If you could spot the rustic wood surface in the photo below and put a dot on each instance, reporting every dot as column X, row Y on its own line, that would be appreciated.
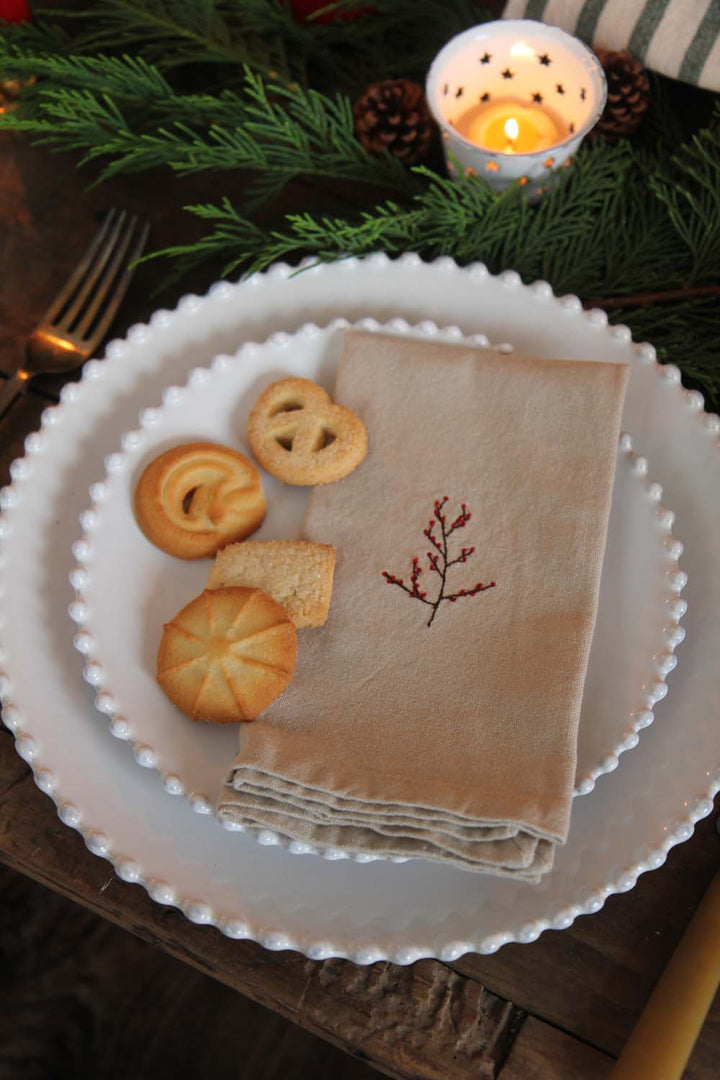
column 85, row 1000
column 559, row 1008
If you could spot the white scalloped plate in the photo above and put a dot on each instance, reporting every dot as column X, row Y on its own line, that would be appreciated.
column 120, row 618
column 321, row 907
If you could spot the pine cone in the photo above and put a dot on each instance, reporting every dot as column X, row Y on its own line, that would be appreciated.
column 392, row 115
column 628, row 94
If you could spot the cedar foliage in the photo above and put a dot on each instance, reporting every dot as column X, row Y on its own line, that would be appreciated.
column 228, row 85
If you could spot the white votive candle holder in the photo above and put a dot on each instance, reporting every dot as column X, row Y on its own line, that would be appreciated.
column 514, row 100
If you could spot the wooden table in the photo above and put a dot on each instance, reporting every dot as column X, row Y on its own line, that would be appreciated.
column 559, row 1008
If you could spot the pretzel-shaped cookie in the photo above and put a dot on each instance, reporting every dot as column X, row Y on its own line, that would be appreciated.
column 300, row 436
column 194, row 499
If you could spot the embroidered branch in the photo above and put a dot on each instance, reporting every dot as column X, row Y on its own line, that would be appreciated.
column 438, row 532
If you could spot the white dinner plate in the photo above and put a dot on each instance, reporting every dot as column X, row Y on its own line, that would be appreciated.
column 323, row 907
column 121, row 616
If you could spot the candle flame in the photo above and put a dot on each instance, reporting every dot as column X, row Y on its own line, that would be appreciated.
column 511, row 128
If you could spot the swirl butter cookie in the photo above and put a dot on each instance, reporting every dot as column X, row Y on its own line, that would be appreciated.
column 227, row 655
column 300, row 436
column 194, row 499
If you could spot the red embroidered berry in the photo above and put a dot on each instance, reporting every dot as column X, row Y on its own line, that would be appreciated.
column 440, row 544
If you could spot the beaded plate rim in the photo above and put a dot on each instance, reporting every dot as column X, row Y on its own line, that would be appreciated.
column 653, row 855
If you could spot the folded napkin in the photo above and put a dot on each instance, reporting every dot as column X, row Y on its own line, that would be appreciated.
column 679, row 38
column 435, row 714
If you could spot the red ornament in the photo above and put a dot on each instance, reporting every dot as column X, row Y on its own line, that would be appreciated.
column 302, row 11
column 13, row 11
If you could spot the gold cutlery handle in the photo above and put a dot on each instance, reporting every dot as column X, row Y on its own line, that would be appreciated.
column 12, row 388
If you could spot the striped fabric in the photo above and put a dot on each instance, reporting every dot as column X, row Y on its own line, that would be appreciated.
column 680, row 38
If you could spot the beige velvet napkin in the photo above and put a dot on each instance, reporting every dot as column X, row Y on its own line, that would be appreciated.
column 446, row 729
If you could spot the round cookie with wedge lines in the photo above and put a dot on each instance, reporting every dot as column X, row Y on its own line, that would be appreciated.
column 298, row 434
column 227, row 655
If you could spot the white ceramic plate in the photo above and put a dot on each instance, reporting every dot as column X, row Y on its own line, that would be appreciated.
column 121, row 616
column 325, row 908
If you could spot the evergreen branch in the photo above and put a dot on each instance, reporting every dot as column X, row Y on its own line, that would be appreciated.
column 129, row 80
column 465, row 218
column 124, row 110
column 348, row 57
column 296, row 133
column 223, row 35
column 596, row 233
column 134, row 84
column 35, row 37
column 172, row 33
column 76, row 120
column 690, row 191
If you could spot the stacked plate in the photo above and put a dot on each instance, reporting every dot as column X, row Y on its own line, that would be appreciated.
column 189, row 375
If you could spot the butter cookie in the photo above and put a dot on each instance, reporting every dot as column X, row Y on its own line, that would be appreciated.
column 194, row 499
column 227, row 655
column 300, row 436
column 296, row 573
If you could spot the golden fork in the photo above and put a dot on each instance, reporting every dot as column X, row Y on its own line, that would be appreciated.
column 80, row 315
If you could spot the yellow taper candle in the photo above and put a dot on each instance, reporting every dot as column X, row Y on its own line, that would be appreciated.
column 667, row 1030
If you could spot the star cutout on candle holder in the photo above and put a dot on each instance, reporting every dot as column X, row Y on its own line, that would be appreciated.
column 572, row 129
column 486, row 58
column 445, row 88
column 485, row 96
column 508, row 74
column 582, row 93
column 459, row 91
column 537, row 98
column 545, row 60
column 560, row 89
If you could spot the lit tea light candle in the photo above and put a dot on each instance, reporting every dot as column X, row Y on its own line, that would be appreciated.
column 514, row 100
column 511, row 128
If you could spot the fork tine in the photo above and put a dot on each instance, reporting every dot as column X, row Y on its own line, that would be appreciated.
column 66, row 293
column 103, row 287
column 116, row 294
column 93, row 272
